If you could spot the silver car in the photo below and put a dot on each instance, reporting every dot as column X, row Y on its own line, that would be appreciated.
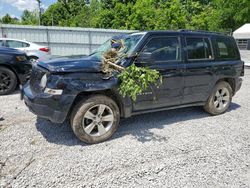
column 34, row 51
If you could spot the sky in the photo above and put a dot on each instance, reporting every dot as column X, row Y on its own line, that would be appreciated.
column 15, row 8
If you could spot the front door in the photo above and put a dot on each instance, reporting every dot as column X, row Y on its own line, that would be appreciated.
column 166, row 58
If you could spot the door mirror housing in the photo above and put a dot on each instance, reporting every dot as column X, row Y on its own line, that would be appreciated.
column 144, row 57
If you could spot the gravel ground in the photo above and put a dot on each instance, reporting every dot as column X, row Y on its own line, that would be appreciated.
column 176, row 148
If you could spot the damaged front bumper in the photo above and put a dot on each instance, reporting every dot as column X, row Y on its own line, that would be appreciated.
column 52, row 107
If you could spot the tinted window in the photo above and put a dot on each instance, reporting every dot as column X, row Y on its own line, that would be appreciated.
column 163, row 48
column 199, row 48
column 226, row 49
column 1, row 43
column 16, row 44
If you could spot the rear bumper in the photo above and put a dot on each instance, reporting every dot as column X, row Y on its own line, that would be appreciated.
column 238, row 84
column 42, row 56
column 53, row 108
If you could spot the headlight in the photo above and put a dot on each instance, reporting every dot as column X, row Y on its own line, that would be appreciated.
column 43, row 82
column 21, row 58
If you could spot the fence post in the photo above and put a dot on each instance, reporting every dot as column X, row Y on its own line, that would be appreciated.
column 1, row 30
column 48, row 38
column 90, row 41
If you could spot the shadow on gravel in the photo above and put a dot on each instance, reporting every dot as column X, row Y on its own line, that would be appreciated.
column 57, row 133
column 139, row 126
column 17, row 91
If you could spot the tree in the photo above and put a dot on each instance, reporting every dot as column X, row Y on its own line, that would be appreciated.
column 7, row 19
column 72, row 13
column 170, row 15
column 214, row 15
column 153, row 14
column 197, row 15
column 94, row 9
column 54, row 15
column 29, row 18
column 229, row 15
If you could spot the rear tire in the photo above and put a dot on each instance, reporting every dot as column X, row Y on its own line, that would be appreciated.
column 95, row 119
column 220, row 99
column 8, row 81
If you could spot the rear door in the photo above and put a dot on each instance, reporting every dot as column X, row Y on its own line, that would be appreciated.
column 198, row 76
column 166, row 56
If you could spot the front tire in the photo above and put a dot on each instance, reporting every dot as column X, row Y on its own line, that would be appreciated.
column 8, row 81
column 95, row 119
column 220, row 99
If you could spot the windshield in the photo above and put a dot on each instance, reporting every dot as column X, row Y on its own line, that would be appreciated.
column 129, row 43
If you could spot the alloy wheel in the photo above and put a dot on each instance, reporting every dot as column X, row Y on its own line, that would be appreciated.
column 221, row 98
column 98, row 120
column 5, row 81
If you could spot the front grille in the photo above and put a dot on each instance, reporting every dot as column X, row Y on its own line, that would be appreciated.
column 35, row 78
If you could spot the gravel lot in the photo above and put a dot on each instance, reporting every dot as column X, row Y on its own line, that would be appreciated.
column 176, row 148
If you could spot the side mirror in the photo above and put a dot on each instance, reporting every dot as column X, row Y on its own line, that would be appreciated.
column 144, row 57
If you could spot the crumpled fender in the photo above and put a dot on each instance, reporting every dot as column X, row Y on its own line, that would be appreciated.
column 74, row 83
column 93, row 84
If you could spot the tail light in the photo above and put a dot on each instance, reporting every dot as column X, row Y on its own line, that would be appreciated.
column 243, row 69
column 44, row 49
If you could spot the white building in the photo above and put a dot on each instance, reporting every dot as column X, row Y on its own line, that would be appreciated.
column 242, row 37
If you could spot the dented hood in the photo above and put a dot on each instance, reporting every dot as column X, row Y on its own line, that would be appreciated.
column 72, row 64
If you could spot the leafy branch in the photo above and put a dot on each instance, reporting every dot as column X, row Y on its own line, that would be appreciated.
column 134, row 80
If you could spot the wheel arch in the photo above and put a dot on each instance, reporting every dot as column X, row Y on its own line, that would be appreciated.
column 108, row 93
column 32, row 56
column 230, row 81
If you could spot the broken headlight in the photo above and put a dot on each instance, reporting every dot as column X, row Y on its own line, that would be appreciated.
column 43, row 81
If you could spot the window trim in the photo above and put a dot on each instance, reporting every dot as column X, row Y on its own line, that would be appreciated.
column 171, row 36
column 203, row 39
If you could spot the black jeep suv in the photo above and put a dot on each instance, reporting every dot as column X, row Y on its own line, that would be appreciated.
column 198, row 68
column 14, row 69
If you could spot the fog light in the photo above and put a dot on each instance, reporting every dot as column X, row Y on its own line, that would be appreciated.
column 53, row 91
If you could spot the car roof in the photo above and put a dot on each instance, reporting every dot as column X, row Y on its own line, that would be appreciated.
column 15, row 40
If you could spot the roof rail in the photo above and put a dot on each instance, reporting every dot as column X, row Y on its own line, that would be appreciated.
column 202, row 31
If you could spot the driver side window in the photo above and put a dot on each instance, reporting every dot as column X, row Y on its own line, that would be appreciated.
column 163, row 48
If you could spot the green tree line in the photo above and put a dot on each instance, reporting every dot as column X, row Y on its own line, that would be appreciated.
column 213, row 15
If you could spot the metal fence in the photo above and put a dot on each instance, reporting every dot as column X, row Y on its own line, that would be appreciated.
column 61, row 40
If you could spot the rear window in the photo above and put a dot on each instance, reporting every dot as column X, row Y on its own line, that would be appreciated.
column 226, row 49
column 198, row 48
column 25, row 44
